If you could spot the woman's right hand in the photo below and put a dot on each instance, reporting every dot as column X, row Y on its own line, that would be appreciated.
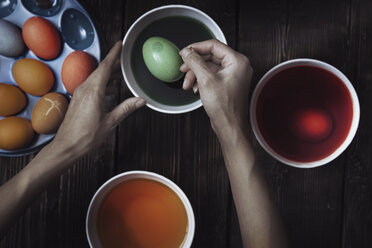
column 223, row 77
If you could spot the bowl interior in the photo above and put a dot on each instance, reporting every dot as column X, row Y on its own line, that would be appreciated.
column 91, row 221
column 133, row 42
column 298, row 63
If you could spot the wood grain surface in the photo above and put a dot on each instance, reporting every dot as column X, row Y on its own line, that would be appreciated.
column 329, row 206
column 182, row 147
column 357, row 218
column 310, row 199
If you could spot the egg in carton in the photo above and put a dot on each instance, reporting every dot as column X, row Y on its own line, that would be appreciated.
column 77, row 32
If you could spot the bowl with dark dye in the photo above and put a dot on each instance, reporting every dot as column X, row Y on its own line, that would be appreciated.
column 180, row 24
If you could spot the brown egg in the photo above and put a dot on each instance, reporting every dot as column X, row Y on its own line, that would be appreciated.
column 48, row 113
column 42, row 38
column 76, row 68
column 33, row 76
column 12, row 100
column 15, row 133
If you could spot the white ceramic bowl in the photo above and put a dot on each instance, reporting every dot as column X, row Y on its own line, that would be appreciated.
column 132, row 34
column 91, row 220
column 295, row 63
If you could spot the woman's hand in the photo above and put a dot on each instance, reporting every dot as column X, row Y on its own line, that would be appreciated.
column 86, row 124
column 223, row 78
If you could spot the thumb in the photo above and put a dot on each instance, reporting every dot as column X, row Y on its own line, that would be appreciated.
column 196, row 64
column 123, row 110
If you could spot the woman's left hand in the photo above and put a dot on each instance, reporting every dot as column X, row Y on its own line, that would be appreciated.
column 86, row 124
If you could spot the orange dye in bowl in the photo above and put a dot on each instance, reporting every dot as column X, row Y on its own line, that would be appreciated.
column 142, row 213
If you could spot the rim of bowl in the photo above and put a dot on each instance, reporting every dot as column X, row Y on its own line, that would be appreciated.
column 197, row 103
column 316, row 63
column 189, row 237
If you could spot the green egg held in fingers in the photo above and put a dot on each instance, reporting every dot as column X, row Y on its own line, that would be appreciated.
column 162, row 59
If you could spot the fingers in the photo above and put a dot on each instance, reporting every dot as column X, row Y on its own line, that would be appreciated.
column 102, row 74
column 195, row 88
column 189, row 80
column 206, row 58
column 212, row 67
column 217, row 49
column 197, row 65
column 212, row 58
column 116, row 65
column 184, row 68
column 123, row 110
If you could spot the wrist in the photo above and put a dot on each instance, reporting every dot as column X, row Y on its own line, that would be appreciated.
column 59, row 155
column 49, row 163
column 226, row 125
column 232, row 132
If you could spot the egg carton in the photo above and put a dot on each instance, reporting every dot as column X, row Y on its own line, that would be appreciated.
column 77, row 32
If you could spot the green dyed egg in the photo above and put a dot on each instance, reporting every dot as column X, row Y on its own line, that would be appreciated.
column 162, row 59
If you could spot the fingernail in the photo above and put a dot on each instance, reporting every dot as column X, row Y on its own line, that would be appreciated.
column 184, row 52
column 190, row 47
column 195, row 89
column 140, row 103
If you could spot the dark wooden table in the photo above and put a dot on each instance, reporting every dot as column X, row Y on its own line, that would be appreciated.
column 330, row 206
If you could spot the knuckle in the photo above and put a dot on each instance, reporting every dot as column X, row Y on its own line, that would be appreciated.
column 109, row 123
column 189, row 75
column 211, row 79
column 79, row 90
column 125, row 108
column 215, row 41
column 191, row 57
column 236, row 56
column 208, row 57
column 250, row 68
column 104, row 64
column 245, row 59
column 128, row 108
column 87, row 90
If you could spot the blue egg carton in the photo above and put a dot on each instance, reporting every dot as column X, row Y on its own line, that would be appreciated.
column 77, row 32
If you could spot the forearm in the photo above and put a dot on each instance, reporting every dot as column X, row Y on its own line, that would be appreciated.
column 259, row 220
column 22, row 189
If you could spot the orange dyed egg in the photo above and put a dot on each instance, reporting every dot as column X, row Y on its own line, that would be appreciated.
column 42, row 38
column 33, row 76
column 15, row 133
column 12, row 99
column 48, row 113
column 76, row 68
